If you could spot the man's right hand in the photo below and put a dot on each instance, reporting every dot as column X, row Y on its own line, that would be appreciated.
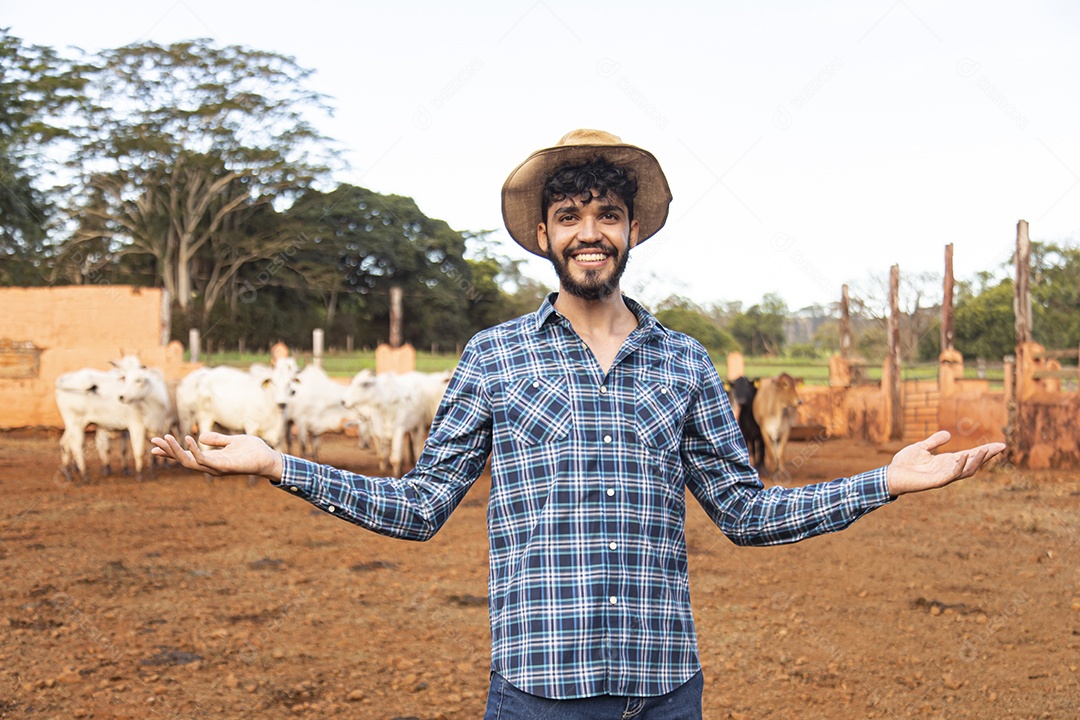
column 228, row 454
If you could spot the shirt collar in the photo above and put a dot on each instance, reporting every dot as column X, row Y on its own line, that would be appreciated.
column 646, row 322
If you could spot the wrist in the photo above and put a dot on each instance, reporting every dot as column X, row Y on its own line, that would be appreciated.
column 276, row 467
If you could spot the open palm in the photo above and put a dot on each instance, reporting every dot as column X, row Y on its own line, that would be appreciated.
column 916, row 468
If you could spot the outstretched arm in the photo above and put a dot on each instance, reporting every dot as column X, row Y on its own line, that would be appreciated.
column 230, row 454
column 914, row 468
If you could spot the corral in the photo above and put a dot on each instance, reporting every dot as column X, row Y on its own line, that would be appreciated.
column 179, row 598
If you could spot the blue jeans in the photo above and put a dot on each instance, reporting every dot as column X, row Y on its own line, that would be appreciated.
column 506, row 702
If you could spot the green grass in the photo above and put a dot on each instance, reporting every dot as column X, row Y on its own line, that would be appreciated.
column 812, row 371
column 336, row 364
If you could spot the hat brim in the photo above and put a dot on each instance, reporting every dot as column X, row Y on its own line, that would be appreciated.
column 521, row 193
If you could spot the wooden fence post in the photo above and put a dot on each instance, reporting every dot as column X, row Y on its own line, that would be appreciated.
column 896, row 409
column 1022, row 290
column 395, row 316
column 948, row 329
column 317, row 336
column 193, row 344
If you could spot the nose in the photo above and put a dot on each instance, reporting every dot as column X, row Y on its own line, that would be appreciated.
column 588, row 230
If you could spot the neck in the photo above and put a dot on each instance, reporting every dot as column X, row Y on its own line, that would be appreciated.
column 608, row 315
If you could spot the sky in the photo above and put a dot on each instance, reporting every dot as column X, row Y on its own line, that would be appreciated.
column 807, row 144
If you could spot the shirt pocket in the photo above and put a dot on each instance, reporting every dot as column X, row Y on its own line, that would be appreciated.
column 538, row 409
column 660, row 408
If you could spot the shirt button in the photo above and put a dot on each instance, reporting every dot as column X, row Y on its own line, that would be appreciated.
column 331, row 509
column 613, row 545
column 610, row 492
column 607, row 438
column 603, row 389
column 294, row 488
column 613, row 600
column 663, row 391
column 536, row 383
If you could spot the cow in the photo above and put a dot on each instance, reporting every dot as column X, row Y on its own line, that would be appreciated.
column 129, row 398
column 775, row 407
column 396, row 406
column 252, row 402
column 316, row 407
column 743, row 392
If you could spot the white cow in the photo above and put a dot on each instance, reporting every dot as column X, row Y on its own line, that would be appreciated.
column 316, row 407
column 396, row 405
column 251, row 402
column 129, row 398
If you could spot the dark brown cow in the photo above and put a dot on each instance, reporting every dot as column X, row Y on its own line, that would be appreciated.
column 775, row 408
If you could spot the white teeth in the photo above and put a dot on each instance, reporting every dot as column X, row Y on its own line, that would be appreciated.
column 590, row 257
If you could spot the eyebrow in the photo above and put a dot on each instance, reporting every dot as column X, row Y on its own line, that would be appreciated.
column 575, row 207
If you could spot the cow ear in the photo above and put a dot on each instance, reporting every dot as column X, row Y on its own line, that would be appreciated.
column 114, row 363
column 266, row 383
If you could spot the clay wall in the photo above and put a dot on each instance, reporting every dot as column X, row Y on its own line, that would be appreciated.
column 45, row 332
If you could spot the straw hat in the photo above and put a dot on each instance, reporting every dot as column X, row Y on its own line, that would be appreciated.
column 522, row 191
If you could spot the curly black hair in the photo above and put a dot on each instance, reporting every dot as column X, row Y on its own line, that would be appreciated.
column 593, row 179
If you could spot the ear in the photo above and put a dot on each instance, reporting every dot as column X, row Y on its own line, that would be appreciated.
column 542, row 237
column 635, row 228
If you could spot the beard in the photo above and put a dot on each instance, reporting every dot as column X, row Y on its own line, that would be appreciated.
column 594, row 285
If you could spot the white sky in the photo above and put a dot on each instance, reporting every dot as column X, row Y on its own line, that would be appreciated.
column 807, row 144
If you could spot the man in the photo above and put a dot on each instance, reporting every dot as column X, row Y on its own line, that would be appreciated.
column 597, row 418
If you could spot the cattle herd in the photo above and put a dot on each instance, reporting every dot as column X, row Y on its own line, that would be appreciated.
column 392, row 413
column 131, row 402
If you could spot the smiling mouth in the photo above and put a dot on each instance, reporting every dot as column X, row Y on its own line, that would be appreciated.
column 593, row 257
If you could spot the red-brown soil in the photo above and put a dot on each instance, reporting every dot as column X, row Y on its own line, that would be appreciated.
column 179, row 598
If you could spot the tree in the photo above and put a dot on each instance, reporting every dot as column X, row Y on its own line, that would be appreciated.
column 1055, row 294
column 37, row 87
column 699, row 326
column 760, row 330
column 985, row 321
column 181, row 143
column 357, row 241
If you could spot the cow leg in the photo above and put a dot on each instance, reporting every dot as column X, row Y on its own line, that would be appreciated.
column 396, row 450
column 382, row 451
column 71, row 454
column 103, row 446
column 418, row 437
column 769, row 456
column 315, row 441
column 780, row 449
column 137, row 436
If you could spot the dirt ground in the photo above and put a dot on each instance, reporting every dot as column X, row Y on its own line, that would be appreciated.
column 179, row 598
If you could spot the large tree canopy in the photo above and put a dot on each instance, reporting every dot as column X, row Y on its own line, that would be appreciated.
column 356, row 241
column 180, row 143
column 36, row 89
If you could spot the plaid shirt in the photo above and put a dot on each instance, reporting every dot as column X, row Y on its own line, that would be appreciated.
column 588, row 586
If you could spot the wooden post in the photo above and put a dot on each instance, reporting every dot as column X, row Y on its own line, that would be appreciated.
column 317, row 338
column 845, row 324
column 1011, row 447
column 395, row 316
column 948, row 327
column 166, row 317
column 193, row 344
column 1022, row 290
column 896, row 410
column 240, row 346
column 349, row 343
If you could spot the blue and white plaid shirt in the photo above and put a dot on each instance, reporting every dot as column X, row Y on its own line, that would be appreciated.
column 588, row 585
